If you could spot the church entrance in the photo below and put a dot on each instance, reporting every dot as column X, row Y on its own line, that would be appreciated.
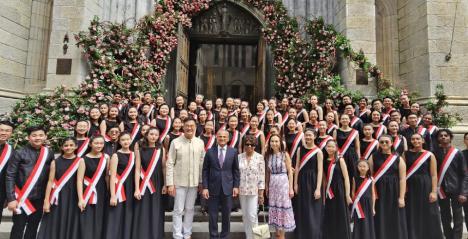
column 222, row 55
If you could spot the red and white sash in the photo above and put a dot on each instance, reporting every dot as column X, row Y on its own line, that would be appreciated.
column 59, row 184
column 120, row 189
column 348, row 142
column 119, row 106
column 396, row 142
column 278, row 114
column 370, row 148
column 418, row 163
column 148, row 115
column 210, row 143
column 324, row 142
column 331, row 128
column 5, row 156
column 448, row 159
column 419, row 121
column 146, row 182
column 210, row 115
column 330, row 171
column 284, row 118
column 267, row 139
column 84, row 146
column 234, row 139
column 354, row 121
column 308, row 156
column 362, row 113
column 245, row 129
column 261, row 117
column 23, row 193
column 135, row 131
column 385, row 117
column 379, row 132
column 359, row 192
column 432, row 129
column 167, row 127
column 194, row 116
column 300, row 113
column 259, row 132
column 222, row 127
column 107, row 138
column 295, row 144
column 90, row 193
column 385, row 166
column 422, row 131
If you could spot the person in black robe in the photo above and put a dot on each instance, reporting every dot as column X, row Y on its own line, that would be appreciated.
column 422, row 212
column 336, row 219
column 148, row 215
column 121, row 167
column 364, row 227
column 61, row 212
column 390, row 185
column 465, row 156
column 308, row 183
column 94, row 122
column 453, row 186
column 6, row 153
column 111, row 140
column 413, row 128
column 19, row 169
column 353, row 153
column 93, row 209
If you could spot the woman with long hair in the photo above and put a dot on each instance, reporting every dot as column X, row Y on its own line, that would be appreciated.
column 175, row 133
column 280, row 187
column 302, row 115
column 234, row 134
column 94, row 116
column 422, row 211
column 322, row 136
column 61, row 214
column 377, row 124
column 257, row 134
column 294, row 139
column 110, row 121
column 349, row 148
column 148, row 214
column 122, row 189
column 368, row 144
column 389, row 172
column 179, row 105
column 163, row 122
column 399, row 142
column 93, row 196
column 307, row 185
column 202, row 119
column 131, row 125
column 337, row 195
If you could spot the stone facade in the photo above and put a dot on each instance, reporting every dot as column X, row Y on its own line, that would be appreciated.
column 409, row 39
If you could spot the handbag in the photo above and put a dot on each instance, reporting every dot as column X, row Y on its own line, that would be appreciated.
column 262, row 231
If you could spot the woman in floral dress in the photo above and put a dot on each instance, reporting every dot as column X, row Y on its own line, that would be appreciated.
column 280, row 189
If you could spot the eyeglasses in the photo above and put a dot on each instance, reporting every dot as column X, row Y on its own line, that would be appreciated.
column 249, row 145
column 384, row 142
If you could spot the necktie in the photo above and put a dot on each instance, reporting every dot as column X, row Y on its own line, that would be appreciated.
column 221, row 157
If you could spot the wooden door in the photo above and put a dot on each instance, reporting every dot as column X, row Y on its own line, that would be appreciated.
column 182, row 63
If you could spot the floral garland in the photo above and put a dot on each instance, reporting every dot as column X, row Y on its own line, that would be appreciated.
column 134, row 60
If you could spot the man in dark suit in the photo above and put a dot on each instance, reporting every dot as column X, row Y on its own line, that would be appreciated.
column 221, row 180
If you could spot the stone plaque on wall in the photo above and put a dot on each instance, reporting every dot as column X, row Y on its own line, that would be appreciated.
column 63, row 66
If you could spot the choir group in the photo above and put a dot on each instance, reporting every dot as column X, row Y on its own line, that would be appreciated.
column 366, row 170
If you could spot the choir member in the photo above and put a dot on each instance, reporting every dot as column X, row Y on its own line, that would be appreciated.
column 331, row 118
column 6, row 153
column 163, row 122
column 208, row 136
column 199, row 102
column 322, row 136
column 336, row 219
column 93, row 197
column 183, row 115
column 111, row 120
column 308, row 183
column 405, row 108
column 148, row 214
column 413, row 128
column 452, row 184
column 377, row 124
column 202, row 118
column 348, row 143
column 82, row 141
column 302, row 115
column 355, row 122
column 61, row 214
column 432, row 129
column 363, row 208
column 422, row 212
column 329, row 107
column 234, row 134
column 217, row 109
column 104, row 110
column 26, row 180
column 363, row 112
column 389, row 172
column 277, row 115
column 257, row 134
column 111, row 140
column 132, row 126
column 180, row 104
column 399, row 142
column 193, row 111
column 313, row 100
column 209, row 110
column 313, row 121
column 368, row 144
column 175, row 133
column 244, row 121
column 222, row 120
column 294, row 139
column 261, row 112
column 122, row 190
column 94, row 122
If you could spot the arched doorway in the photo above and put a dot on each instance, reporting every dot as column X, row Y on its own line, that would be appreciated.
column 222, row 55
